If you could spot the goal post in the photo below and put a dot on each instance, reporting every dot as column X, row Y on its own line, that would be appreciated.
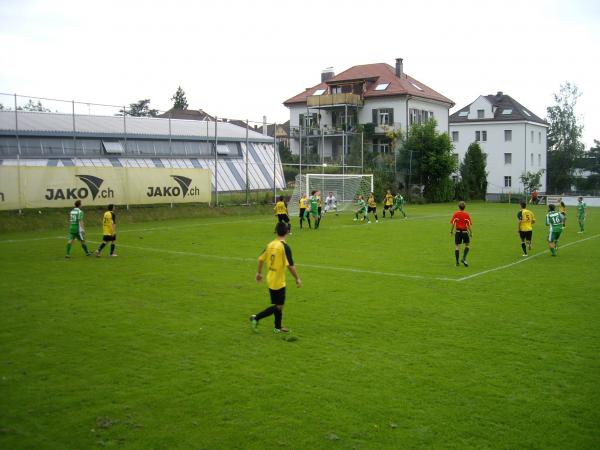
column 345, row 187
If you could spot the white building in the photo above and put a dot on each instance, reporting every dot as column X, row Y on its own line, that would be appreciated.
column 513, row 138
column 323, row 118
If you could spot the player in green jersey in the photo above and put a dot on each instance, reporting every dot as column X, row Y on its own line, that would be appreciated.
column 555, row 221
column 361, row 208
column 76, row 229
column 581, row 207
column 313, row 208
column 398, row 204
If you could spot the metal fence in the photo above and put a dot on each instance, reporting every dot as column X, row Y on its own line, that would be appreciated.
column 242, row 154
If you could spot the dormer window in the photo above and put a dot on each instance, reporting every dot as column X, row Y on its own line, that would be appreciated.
column 506, row 112
column 480, row 113
column 463, row 114
column 382, row 86
column 526, row 113
column 319, row 92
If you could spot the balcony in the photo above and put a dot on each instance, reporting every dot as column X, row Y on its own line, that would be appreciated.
column 332, row 100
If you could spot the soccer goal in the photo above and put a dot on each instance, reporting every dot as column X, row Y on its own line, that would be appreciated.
column 345, row 188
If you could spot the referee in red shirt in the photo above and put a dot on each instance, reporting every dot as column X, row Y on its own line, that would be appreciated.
column 461, row 221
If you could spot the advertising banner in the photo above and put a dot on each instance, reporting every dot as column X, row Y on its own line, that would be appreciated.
column 47, row 187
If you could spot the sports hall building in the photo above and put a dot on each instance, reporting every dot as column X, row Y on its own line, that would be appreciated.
column 240, row 158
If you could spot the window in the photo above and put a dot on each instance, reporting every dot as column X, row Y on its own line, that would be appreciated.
column 507, row 135
column 539, row 159
column 455, row 136
column 508, row 158
column 481, row 136
column 531, row 164
column 480, row 113
column 319, row 92
column 417, row 86
column 532, row 137
column 463, row 114
column 222, row 149
column 484, row 136
column 506, row 112
column 477, row 136
column 381, row 145
column 526, row 113
column 507, row 181
column 419, row 116
column 384, row 116
column 382, row 86
column 114, row 147
column 455, row 156
column 539, row 137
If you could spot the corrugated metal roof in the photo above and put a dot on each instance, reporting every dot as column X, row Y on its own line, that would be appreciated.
column 31, row 122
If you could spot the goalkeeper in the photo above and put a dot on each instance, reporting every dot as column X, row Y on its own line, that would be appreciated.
column 398, row 205
column 331, row 203
column 361, row 208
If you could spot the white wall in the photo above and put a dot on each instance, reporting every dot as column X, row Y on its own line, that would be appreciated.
column 481, row 103
column 520, row 146
column 440, row 112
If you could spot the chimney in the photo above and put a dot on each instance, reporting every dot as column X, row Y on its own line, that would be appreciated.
column 499, row 95
column 265, row 130
column 399, row 68
column 327, row 74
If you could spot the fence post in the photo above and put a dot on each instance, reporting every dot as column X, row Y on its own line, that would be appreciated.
column 216, row 166
column 19, row 193
column 274, row 162
column 247, row 181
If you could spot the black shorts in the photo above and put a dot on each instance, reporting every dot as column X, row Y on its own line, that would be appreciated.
column 387, row 207
column 319, row 210
column 462, row 237
column 301, row 213
column 525, row 235
column 283, row 218
column 109, row 237
column 372, row 209
column 277, row 296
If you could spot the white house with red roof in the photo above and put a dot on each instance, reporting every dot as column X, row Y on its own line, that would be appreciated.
column 324, row 118
column 510, row 134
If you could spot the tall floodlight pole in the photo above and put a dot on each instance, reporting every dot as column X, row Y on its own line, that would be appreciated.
column 74, row 138
column 216, row 166
column 125, row 127
column 274, row 161
column 247, row 182
column 18, row 153
column 300, row 146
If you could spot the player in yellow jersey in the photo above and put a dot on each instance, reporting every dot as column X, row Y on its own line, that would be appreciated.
column 388, row 203
column 282, row 213
column 525, row 227
column 302, row 205
column 372, row 207
column 562, row 208
column 109, row 231
column 278, row 257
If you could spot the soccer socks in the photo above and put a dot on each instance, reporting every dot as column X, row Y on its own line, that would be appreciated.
column 101, row 247
column 375, row 216
column 278, row 316
column 456, row 255
column 308, row 220
column 69, row 249
column 112, row 249
column 465, row 253
column 85, row 249
column 301, row 220
column 267, row 312
column 524, row 247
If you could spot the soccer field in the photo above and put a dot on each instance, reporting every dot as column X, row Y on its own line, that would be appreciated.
column 396, row 347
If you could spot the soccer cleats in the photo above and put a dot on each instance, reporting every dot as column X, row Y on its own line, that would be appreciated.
column 465, row 263
column 281, row 330
column 253, row 322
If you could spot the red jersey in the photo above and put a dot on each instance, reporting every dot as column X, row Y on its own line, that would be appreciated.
column 461, row 220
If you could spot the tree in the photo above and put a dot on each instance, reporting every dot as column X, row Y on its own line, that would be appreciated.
column 473, row 174
column 590, row 162
column 532, row 181
column 31, row 106
column 179, row 100
column 564, row 139
column 431, row 159
column 140, row 109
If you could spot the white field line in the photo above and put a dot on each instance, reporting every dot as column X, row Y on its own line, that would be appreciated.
column 312, row 266
column 520, row 261
column 16, row 241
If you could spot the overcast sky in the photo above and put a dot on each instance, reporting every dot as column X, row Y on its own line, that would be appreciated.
column 242, row 59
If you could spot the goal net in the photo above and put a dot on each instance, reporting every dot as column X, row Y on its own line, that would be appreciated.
column 345, row 188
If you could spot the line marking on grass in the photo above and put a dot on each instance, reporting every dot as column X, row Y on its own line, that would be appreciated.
column 13, row 241
column 506, row 266
column 312, row 266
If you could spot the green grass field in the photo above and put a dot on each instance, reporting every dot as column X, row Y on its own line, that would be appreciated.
column 396, row 347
